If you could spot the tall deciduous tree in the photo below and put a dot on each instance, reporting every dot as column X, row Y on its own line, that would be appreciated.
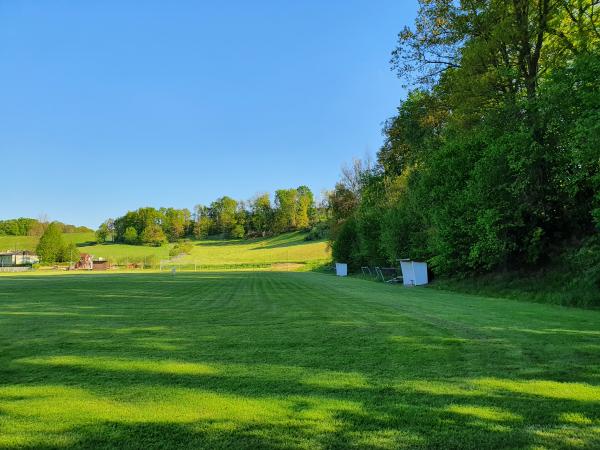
column 285, row 209
column 223, row 211
column 130, row 236
column 203, row 223
column 174, row 222
column 261, row 214
column 153, row 235
column 305, row 207
column 51, row 244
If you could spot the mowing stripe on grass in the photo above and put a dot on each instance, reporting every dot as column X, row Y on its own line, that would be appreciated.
column 294, row 360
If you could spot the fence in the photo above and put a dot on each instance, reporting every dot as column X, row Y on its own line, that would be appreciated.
column 136, row 264
column 167, row 265
column 385, row 274
column 15, row 269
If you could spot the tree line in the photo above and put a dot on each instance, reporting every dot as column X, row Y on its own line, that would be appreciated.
column 292, row 209
column 493, row 159
column 25, row 226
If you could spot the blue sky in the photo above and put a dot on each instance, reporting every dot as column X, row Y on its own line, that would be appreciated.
column 112, row 105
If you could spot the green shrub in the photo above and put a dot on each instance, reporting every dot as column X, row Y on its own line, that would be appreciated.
column 153, row 235
column 182, row 247
column 345, row 248
column 318, row 232
column 69, row 253
column 131, row 236
column 237, row 232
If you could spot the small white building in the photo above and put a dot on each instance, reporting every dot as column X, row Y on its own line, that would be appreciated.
column 18, row 258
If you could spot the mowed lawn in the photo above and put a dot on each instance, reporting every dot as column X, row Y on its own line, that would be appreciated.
column 289, row 360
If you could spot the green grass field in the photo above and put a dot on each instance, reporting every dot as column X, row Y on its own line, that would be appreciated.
column 288, row 360
column 289, row 247
column 30, row 242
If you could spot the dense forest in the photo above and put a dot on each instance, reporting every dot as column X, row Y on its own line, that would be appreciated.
column 492, row 161
column 293, row 209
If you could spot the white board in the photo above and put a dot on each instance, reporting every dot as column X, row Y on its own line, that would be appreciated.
column 408, row 276
column 420, row 273
column 341, row 269
column 413, row 273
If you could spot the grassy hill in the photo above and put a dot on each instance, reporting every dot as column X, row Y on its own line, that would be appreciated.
column 569, row 277
column 289, row 247
column 30, row 242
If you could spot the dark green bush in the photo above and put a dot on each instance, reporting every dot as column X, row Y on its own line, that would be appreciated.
column 345, row 248
column 318, row 232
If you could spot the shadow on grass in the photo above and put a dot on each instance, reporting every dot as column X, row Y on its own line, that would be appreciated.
column 279, row 361
column 226, row 242
column 376, row 413
column 281, row 241
column 319, row 418
column 286, row 240
column 155, row 435
column 88, row 244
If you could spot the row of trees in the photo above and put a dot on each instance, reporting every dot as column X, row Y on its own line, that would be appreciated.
column 293, row 209
column 493, row 159
column 24, row 226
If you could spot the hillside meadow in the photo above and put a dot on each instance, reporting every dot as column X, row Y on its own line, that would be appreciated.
column 289, row 247
column 30, row 242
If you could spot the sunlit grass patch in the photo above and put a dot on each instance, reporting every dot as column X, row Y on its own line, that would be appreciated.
column 46, row 414
column 575, row 418
column 128, row 365
column 483, row 412
column 568, row 437
column 544, row 388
